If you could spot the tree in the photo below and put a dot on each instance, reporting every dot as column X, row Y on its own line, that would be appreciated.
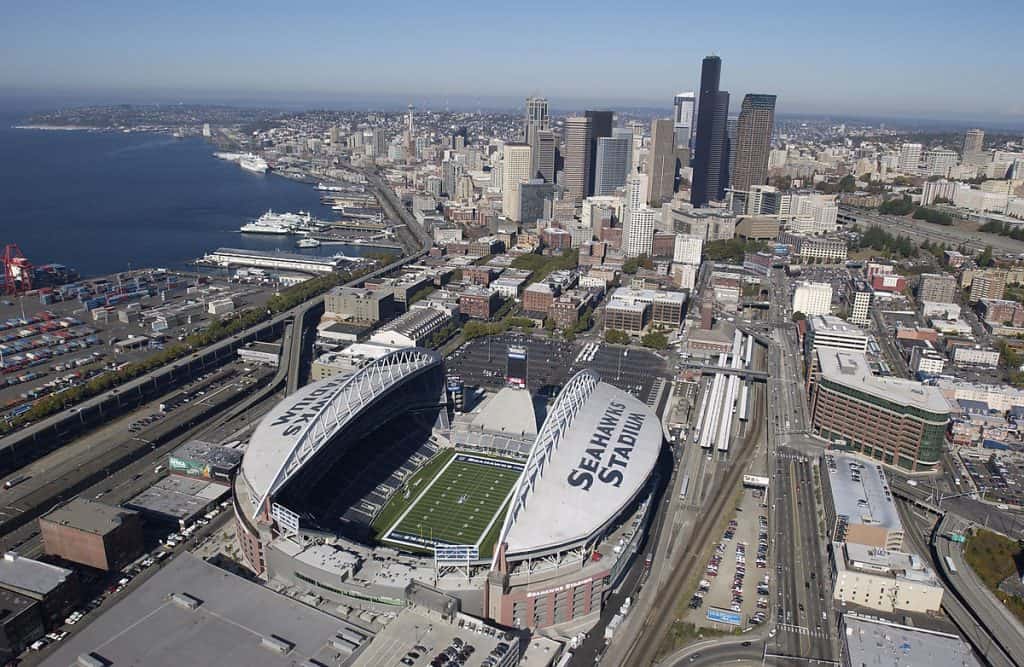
column 655, row 339
column 985, row 258
column 797, row 316
column 616, row 337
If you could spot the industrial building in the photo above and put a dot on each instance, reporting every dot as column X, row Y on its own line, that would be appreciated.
column 412, row 329
column 56, row 589
column 92, row 533
column 360, row 304
column 884, row 580
column 205, row 460
column 178, row 501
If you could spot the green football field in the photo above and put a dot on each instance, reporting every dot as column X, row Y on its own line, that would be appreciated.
column 464, row 505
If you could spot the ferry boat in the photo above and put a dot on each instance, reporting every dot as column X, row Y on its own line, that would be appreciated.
column 253, row 163
column 282, row 223
column 307, row 243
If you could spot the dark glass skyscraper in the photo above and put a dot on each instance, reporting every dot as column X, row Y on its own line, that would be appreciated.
column 600, row 126
column 711, row 157
column 753, row 141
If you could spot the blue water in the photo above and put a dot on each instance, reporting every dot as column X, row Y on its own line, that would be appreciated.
column 101, row 201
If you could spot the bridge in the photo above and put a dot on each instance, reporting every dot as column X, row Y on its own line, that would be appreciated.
column 711, row 369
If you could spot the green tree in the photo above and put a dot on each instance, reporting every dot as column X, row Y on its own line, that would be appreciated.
column 985, row 258
column 655, row 339
column 797, row 316
column 616, row 337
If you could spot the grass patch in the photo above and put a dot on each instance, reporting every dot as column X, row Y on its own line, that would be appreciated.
column 681, row 633
column 994, row 558
column 414, row 484
column 542, row 265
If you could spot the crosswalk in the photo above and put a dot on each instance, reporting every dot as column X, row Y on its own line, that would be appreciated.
column 801, row 630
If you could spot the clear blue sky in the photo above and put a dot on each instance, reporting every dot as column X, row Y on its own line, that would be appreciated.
column 896, row 57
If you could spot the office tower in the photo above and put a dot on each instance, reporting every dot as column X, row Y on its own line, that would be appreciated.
column 612, row 164
column 577, row 157
column 533, row 195
column 410, row 134
column 380, row 142
column 710, row 159
column 753, row 141
column 938, row 162
column 536, row 117
column 731, row 129
column 516, row 167
column 683, row 106
column 538, row 121
column 451, row 171
column 638, row 219
column 661, row 165
column 600, row 126
column 910, row 158
column 544, row 155
column 974, row 143
column 638, row 235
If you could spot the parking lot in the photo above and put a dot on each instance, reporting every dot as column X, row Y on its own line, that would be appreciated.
column 736, row 578
column 550, row 363
column 53, row 341
column 999, row 477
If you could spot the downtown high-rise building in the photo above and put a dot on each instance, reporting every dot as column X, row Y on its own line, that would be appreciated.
column 661, row 163
column 638, row 218
column 612, row 161
column 711, row 156
column 577, row 157
column 753, row 141
column 516, row 166
column 910, row 158
column 537, row 134
column 600, row 126
column 684, row 106
column 974, row 146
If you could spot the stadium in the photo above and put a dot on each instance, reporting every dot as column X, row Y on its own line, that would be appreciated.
column 370, row 490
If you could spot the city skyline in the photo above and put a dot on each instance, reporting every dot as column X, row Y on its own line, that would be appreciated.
column 126, row 54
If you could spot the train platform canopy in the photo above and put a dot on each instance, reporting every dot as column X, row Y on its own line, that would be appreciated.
column 593, row 455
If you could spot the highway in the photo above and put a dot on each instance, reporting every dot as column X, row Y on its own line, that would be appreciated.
column 921, row 230
column 919, row 533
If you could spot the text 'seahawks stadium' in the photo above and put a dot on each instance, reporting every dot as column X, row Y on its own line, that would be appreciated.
column 371, row 490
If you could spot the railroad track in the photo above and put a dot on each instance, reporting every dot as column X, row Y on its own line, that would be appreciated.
column 644, row 649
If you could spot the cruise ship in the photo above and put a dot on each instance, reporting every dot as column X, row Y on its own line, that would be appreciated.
column 253, row 163
column 282, row 223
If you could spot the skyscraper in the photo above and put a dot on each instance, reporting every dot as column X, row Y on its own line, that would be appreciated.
column 910, row 159
column 600, row 126
column 538, row 121
column 612, row 162
column 683, row 107
column 974, row 144
column 516, row 165
column 662, row 162
column 577, row 156
column 544, row 155
column 710, row 160
column 638, row 219
column 753, row 141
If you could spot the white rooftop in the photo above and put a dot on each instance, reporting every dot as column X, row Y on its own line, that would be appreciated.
column 597, row 465
column 851, row 369
column 859, row 491
column 509, row 411
column 877, row 643
column 27, row 574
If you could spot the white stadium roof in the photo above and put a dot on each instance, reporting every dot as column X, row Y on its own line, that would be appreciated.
column 593, row 454
column 300, row 425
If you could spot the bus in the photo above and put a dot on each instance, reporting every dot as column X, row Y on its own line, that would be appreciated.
column 950, row 566
column 15, row 481
column 685, row 487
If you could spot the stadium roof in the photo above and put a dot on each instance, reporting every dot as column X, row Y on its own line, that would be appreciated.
column 592, row 456
column 509, row 411
column 299, row 426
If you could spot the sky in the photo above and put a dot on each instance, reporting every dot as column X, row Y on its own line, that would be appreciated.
column 900, row 57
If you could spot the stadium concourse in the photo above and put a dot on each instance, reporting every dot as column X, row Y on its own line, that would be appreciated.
column 366, row 488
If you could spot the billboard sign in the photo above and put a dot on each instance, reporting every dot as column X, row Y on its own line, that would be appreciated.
column 455, row 553
column 723, row 616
